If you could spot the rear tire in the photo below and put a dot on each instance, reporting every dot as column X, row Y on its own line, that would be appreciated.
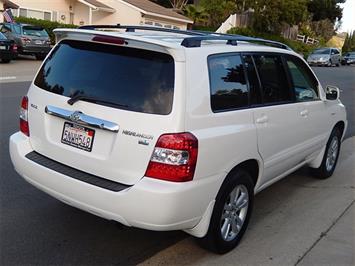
column 6, row 60
column 231, row 213
column 330, row 157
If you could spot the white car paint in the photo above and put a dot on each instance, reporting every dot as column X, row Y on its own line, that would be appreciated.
column 281, row 138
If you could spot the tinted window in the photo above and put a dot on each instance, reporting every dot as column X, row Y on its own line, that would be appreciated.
column 303, row 81
column 139, row 80
column 2, row 36
column 34, row 31
column 254, row 88
column 273, row 79
column 227, row 83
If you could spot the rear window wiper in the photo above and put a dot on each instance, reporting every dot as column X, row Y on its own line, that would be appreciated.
column 92, row 99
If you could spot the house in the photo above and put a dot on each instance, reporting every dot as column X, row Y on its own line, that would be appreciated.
column 84, row 12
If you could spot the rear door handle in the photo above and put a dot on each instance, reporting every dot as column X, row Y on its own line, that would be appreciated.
column 304, row 112
column 262, row 120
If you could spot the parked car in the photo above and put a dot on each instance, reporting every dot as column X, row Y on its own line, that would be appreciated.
column 348, row 59
column 8, row 49
column 30, row 40
column 324, row 57
column 173, row 133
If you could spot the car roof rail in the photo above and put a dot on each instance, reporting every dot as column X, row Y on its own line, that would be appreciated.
column 195, row 41
column 132, row 28
column 196, row 36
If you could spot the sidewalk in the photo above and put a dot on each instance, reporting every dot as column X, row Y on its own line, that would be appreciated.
column 297, row 221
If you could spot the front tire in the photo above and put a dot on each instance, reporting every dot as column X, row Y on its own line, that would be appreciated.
column 231, row 213
column 6, row 61
column 330, row 157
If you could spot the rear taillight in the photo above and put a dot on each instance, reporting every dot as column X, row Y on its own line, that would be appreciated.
column 174, row 158
column 24, row 128
column 14, row 47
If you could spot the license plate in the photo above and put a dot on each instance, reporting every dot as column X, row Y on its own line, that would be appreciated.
column 38, row 42
column 2, row 47
column 78, row 136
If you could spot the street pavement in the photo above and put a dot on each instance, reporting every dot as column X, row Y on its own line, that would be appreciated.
column 299, row 220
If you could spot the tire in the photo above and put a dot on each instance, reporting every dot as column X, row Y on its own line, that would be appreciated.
column 40, row 56
column 240, row 184
column 330, row 157
column 6, row 60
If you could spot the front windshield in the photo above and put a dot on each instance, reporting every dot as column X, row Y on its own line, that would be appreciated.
column 322, row 51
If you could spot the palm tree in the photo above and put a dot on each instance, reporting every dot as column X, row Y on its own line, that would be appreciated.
column 197, row 13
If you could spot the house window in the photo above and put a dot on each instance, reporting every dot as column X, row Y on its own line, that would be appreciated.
column 158, row 24
column 148, row 23
column 176, row 28
column 23, row 12
column 167, row 26
column 38, row 14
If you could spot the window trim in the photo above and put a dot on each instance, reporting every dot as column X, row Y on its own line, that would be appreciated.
column 226, row 54
column 293, row 100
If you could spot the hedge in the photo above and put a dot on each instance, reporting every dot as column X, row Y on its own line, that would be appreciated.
column 49, row 26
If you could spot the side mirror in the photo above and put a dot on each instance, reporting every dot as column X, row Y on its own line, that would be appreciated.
column 332, row 93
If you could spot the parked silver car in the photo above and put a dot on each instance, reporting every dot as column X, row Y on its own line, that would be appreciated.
column 30, row 40
column 324, row 57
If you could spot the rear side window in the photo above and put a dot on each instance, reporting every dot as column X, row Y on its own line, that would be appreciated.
column 227, row 82
column 304, row 83
column 131, row 79
column 274, row 83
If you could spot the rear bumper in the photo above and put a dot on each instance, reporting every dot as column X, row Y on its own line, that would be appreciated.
column 149, row 204
column 34, row 49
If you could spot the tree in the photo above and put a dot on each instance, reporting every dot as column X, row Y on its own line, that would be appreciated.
column 272, row 15
column 197, row 13
column 218, row 10
column 178, row 4
column 323, row 28
column 326, row 9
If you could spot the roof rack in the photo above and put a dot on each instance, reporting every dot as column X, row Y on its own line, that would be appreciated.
column 130, row 28
column 196, row 36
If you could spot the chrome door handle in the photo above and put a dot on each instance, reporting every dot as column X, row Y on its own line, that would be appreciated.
column 262, row 120
column 81, row 118
column 304, row 112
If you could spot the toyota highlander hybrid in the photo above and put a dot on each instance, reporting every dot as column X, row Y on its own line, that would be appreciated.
column 173, row 130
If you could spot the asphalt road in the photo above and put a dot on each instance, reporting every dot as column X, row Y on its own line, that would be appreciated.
column 37, row 229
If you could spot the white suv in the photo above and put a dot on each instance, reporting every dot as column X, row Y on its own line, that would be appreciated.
column 173, row 130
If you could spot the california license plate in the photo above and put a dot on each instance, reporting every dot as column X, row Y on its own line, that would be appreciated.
column 78, row 136
column 38, row 42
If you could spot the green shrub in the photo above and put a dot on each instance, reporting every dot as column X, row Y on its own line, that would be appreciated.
column 299, row 47
column 49, row 26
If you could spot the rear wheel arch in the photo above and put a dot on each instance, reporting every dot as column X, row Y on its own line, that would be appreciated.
column 252, row 166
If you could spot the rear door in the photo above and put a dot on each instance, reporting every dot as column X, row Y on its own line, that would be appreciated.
column 122, row 101
column 277, row 119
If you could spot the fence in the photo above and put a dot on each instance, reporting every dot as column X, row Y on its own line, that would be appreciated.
column 307, row 40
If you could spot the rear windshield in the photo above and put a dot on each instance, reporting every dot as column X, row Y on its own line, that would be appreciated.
column 131, row 79
column 34, row 31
